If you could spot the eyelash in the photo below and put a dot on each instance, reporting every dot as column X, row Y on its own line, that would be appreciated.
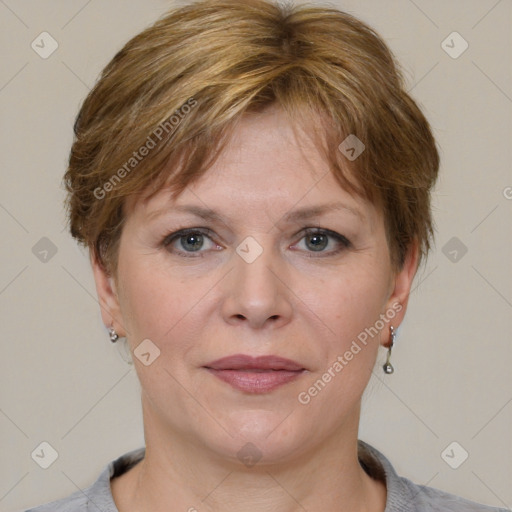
column 308, row 232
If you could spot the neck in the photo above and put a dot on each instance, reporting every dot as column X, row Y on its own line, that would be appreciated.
column 178, row 474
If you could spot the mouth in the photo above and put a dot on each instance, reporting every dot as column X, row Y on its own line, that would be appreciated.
column 262, row 363
column 255, row 374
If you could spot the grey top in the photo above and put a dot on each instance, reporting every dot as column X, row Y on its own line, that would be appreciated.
column 402, row 494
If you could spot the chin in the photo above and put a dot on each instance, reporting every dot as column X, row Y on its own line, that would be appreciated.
column 258, row 437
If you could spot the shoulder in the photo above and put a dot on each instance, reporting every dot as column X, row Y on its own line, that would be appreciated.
column 98, row 496
column 403, row 495
column 76, row 502
column 431, row 499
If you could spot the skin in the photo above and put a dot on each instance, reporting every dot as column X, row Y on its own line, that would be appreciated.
column 293, row 301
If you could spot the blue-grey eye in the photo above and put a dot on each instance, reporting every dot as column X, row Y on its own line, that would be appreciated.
column 319, row 241
column 192, row 241
column 188, row 241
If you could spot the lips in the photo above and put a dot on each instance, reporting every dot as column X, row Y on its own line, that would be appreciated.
column 255, row 375
column 263, row 363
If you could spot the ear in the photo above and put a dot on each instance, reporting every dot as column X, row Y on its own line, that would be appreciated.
column 107, row 296
column 400, row 287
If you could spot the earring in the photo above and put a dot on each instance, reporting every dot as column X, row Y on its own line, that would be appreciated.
column 113, row 334
column 387, row 366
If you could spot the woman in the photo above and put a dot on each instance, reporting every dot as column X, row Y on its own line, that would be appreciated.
column 253, row 183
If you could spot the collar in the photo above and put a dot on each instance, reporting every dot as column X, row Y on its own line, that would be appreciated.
column 400, row 496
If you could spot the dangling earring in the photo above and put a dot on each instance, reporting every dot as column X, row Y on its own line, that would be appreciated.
column 113, row 334
column 387, row 366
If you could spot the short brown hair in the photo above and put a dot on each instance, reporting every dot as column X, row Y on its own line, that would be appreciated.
column 197, row 70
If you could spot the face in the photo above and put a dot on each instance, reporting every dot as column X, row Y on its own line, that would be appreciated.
column 265, row 255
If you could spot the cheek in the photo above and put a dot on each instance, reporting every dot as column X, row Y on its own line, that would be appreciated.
column 152, row 301
column 351, row 306
column 160, row 307
column 352, row 301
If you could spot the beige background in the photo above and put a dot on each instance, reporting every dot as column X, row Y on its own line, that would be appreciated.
column 64, row 383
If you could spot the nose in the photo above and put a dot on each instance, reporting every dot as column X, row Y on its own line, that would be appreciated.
column 257, row 291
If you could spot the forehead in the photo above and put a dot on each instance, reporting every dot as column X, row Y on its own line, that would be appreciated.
column 269, row 164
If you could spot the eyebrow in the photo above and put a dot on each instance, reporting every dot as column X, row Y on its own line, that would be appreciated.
column 299, row 214
column 309, row 212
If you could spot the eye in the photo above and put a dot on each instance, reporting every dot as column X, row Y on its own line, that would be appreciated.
column 317, row 240
column 185, row 242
